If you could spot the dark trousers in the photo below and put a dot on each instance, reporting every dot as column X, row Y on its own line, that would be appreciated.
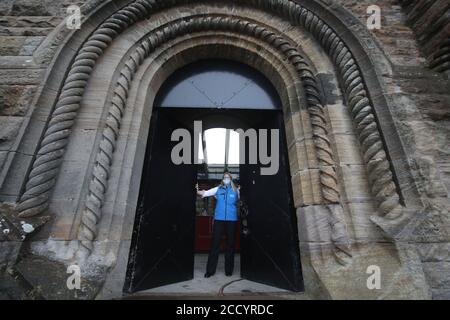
column 230, row 229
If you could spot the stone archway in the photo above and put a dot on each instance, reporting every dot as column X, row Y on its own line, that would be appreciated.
column 299, row 88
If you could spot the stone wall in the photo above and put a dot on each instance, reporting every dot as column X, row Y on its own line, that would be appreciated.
column 412, row 36
column 430, row 21
column 24, row 26
column 29, row 38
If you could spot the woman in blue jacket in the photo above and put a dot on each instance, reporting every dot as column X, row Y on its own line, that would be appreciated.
column 225, row 218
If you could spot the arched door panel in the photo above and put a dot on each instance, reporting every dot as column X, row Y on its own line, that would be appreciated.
column 269, row 246
column 162, row 250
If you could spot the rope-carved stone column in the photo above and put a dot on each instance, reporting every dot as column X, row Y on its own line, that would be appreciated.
column 328, row 178
column 99, row 181
column 378, row 166
column 98, row 185
column 324, row 153
column 102, row 168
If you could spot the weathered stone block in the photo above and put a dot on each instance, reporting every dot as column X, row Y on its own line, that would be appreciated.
column 348, row 149
column 16, row 99
column 438, row 274
column 9, row 127
column 11, row 46
column 362, row 228
column 21, row 77
column 306, row 187
column 32, row 8
column 340, row 120
column 355, row 183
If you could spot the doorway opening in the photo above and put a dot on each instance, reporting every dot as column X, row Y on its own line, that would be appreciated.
column 173, row 227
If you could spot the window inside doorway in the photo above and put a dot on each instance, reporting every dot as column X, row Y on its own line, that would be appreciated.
column 218, row 84
column 220, row 146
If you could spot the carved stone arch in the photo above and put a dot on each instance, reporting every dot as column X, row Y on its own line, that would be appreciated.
column 41, row 178
column 222, row 45
column 358, row 82
column 288, row 89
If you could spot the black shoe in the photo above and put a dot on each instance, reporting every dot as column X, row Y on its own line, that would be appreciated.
column 228, row 274
column 207, row 275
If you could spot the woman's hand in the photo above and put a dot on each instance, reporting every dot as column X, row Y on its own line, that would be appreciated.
column 199, row 192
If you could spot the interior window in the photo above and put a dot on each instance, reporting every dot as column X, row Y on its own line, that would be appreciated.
column 218, row 84
column 221, row 147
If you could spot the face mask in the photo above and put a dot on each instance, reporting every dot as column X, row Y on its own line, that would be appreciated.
column 226, row 180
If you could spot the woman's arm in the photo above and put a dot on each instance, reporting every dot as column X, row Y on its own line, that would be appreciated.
column 209, row 193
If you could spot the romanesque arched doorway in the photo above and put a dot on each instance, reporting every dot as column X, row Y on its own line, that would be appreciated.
column 204, row 95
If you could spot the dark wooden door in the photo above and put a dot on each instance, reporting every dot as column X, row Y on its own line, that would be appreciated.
column 269, row 244
column 162, row 250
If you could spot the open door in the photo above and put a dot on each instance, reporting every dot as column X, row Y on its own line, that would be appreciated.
column 162, row 249
column 269, row 246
